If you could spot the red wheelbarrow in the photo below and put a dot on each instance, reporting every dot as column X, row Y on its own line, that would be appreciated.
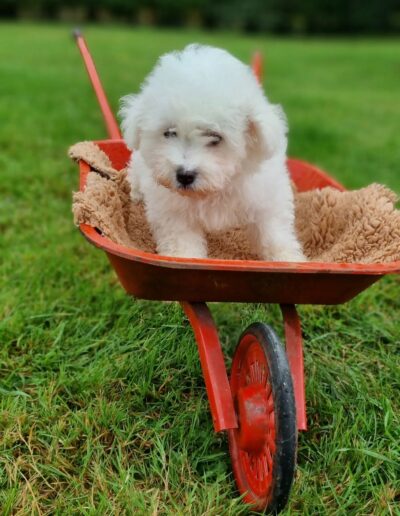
column 262, row 404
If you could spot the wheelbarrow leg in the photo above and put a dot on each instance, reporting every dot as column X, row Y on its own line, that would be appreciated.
column 294, row 352
column 213, row 365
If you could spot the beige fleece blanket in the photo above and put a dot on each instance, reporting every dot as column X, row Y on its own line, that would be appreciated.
column 359, row 226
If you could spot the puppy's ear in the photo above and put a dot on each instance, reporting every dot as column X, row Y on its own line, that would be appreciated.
column 130, row 114
column 266, row 132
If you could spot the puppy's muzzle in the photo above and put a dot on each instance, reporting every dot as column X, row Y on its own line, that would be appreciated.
column 185, row 177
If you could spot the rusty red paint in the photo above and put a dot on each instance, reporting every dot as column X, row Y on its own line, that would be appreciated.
column 213, row 365
column 294, row 353
column 252, row 402
column 109, row 119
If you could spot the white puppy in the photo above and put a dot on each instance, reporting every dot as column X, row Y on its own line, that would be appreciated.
column 209, row 155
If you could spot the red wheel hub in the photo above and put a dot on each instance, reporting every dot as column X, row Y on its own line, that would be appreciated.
column 254, row 440
column 252, row 402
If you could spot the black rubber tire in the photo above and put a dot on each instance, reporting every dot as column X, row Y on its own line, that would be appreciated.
column 284, row 459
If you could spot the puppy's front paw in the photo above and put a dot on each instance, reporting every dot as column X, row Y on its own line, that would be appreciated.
column 182, row 251
column 289, row 255
column 136, row 195
column 186, row 253
column 174, row 238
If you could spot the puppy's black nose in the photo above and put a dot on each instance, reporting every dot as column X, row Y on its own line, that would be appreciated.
column 185, row 177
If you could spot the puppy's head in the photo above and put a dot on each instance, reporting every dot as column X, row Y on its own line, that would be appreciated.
column 200, row 120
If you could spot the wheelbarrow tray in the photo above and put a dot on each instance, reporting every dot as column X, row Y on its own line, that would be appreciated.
column 152, row 276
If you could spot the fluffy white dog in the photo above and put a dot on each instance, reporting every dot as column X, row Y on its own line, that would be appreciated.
column 209, row 155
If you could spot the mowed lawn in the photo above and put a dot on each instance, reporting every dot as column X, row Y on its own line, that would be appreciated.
column 103, row 405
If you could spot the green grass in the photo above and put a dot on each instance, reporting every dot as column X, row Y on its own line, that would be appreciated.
column 103, row 406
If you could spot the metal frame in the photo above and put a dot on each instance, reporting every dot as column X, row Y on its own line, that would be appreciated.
column 214, row 370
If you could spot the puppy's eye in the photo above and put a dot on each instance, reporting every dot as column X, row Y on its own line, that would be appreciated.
column 214, row 139
column 170, row 133
column 215, row 142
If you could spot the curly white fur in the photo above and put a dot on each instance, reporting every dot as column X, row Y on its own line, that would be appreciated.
column 209, row 154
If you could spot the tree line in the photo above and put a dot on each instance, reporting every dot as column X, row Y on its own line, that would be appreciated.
column 274, row 16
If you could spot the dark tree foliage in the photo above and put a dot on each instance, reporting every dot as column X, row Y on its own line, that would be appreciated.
column 276, row 16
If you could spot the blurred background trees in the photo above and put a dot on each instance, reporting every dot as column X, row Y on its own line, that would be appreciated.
column 274, row 16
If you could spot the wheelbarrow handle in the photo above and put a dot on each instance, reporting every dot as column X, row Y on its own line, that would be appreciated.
column 109, row 119
column 257, row 65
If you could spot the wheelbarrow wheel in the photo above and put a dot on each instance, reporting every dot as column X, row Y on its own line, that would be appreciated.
column 263, row 448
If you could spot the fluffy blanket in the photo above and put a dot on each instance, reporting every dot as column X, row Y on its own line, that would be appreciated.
column 359, row 226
